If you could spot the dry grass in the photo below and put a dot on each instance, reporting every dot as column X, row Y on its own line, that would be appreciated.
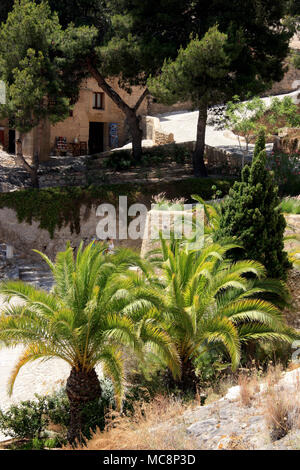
column 249, row 387
column 282, row 413
column 281, row 405
column 274, row 374
column 158, row 425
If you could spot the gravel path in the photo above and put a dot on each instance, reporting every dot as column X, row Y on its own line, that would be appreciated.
column 184, row 127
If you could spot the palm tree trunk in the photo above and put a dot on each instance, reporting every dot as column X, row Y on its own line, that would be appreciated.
column 198, row 156
column 82, row 387
column 188, row 381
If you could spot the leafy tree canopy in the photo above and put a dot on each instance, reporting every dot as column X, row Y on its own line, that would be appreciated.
column 39, row 70
column 151, row 31
column 197, row 74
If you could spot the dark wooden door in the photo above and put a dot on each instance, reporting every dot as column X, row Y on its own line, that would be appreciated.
column 2, row 137
column 96, row 137
column 12, row 141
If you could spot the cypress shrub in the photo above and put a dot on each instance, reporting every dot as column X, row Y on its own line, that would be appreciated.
column 252, row 215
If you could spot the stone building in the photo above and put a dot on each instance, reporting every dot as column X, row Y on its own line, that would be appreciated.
column 96, row 124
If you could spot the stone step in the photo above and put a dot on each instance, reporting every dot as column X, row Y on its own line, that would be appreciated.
column 35, row 273
column 38, row 279
column 34, row 267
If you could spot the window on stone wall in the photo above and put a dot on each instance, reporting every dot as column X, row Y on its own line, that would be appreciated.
column 98, row 101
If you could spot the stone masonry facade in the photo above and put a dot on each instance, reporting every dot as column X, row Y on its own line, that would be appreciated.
column 91, row 118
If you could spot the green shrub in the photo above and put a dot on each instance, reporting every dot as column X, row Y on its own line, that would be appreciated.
column 37, row 444
column 286, row 169
column 29, row 419
column 58, row 408
column 26, row 420
column 290, row 205
column 251, row 214
column 119, row 160
column 51, row 443
column 209, row 366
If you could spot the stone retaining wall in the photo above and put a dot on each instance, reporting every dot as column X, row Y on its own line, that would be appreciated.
column 224, row 162
column 152, row 131
column 25, row 237
column 84, row 172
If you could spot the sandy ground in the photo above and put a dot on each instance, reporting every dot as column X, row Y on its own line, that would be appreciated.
column 183, row 125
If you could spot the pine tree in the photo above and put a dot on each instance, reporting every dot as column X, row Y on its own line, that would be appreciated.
column 38, row 66
column 260, row 144
column 251, row 214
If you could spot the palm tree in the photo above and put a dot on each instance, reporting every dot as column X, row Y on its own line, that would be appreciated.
column 205, row 300
column 82, row 321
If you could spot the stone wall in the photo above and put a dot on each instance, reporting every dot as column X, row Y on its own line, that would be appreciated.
column 220, row 161
column 25, row 237
column 288, row 141
column 155, row 108
column 152, row 131
column 77, row 126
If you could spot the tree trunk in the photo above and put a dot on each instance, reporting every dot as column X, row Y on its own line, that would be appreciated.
column 130, row 113
column 137, row 136
column 82, row 387
column 187, row 383
column 32, row 170
column 198, row 156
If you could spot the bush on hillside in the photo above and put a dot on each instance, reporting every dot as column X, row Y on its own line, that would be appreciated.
column 251, row 214
column 121, row 160
column 286, row 169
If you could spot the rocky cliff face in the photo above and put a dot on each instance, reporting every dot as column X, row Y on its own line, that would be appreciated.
column 228, row 424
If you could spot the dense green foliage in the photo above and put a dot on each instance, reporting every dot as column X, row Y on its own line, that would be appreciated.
column 158, row 30
column 293, row 7
column 57, row 207
column 203, row 302
column 81, row 13
column 123, row 159
column 197, row 74
column 85, row 321
column 286, row 170
column 251, row 214
column 37, row 70
column 290, row 205
column 25, row 420
column 30, row 419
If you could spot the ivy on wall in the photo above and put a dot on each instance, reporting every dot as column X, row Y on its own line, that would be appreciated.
column 57, row 207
